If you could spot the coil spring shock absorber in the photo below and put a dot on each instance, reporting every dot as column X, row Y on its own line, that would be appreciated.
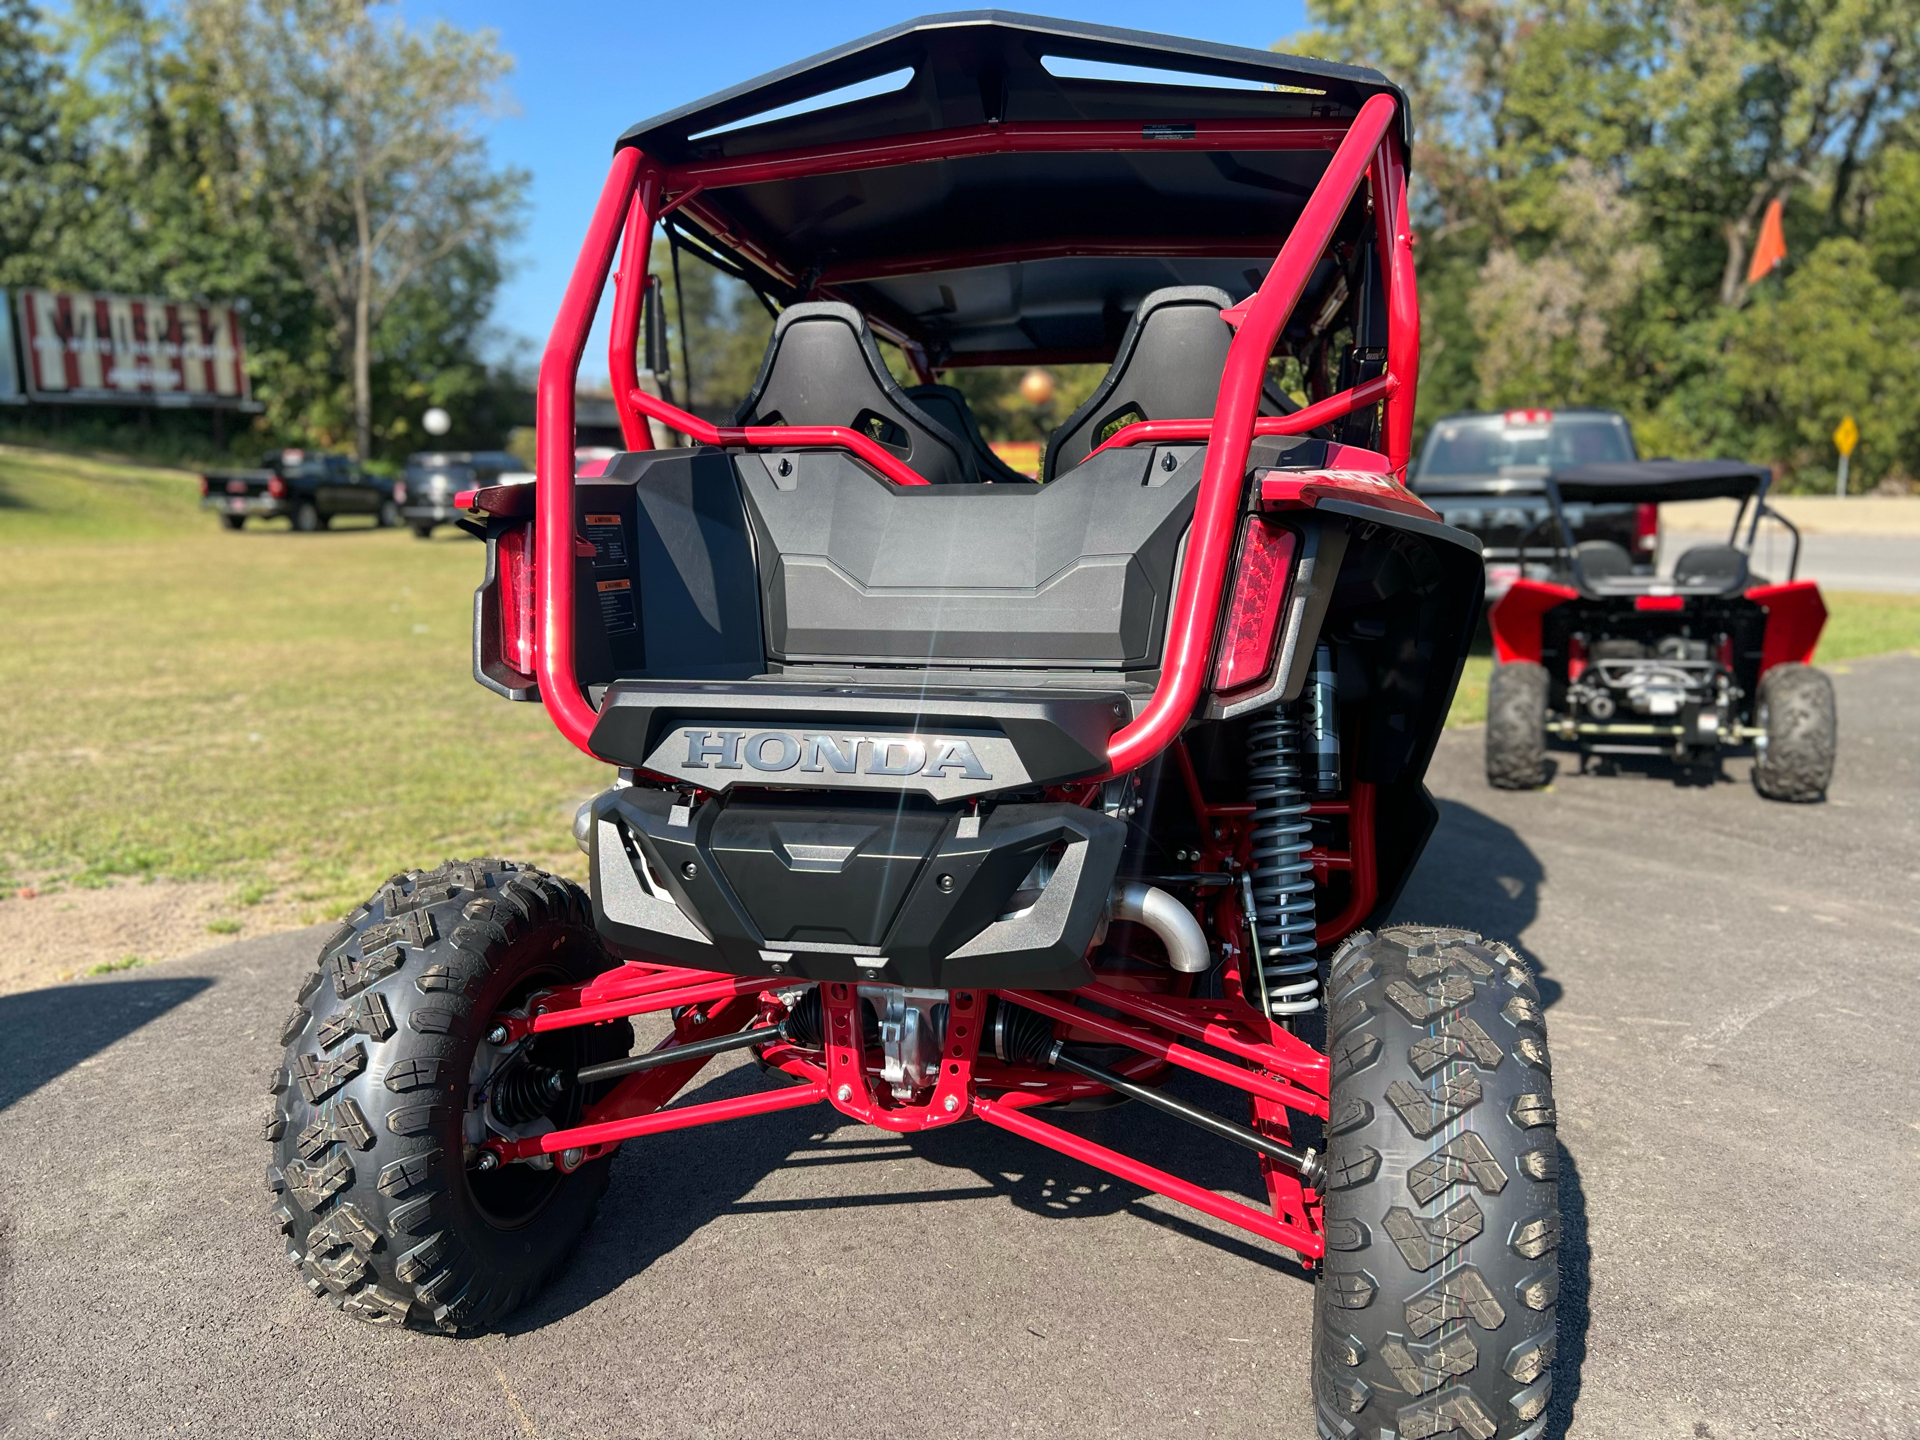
column 1279, row 892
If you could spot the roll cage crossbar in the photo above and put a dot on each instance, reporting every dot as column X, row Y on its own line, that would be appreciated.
column 640, row 191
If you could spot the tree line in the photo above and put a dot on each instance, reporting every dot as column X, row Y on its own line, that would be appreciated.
column 317, row 160
column 1591, row 180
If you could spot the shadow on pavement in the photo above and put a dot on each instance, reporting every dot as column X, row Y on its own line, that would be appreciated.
column 667, row 1188
column 1704, row 774
column 1575, row 1288
column 1479, row 874
column 45, row 1033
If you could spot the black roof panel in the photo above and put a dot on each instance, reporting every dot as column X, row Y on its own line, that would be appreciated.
column 1013, row 254
column 971, row 63
column 1657, row 480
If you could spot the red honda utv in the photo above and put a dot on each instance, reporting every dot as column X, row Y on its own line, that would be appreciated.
column 1685, row 666
column 950, row 796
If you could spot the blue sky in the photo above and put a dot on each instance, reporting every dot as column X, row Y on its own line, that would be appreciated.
column 585, row 71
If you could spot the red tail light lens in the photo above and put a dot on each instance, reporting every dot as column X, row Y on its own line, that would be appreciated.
column 277, row 488
column 1646, row 528
column 1259, row 598
column 203, row 485
column 515, row 560
column 399, row 492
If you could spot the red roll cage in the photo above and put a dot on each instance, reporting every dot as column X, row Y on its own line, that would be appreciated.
column 642, row 190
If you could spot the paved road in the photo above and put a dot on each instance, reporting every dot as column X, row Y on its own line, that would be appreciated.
column 1881, row 563
column 1735, row 1001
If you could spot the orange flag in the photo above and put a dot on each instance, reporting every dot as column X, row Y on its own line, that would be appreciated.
column 1771, row 248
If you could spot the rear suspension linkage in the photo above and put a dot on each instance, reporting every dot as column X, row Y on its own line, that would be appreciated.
column 1020, row 1036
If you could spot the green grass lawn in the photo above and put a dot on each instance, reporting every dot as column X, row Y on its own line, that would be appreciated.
column 285, row 712
column 1857, row 625
column 296, row 713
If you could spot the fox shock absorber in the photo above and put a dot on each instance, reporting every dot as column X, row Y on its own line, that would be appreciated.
column 1278, row 894
column 1323, row 723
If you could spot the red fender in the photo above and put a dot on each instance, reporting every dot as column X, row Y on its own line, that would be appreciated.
column 1515, row 618
column 1795, row 617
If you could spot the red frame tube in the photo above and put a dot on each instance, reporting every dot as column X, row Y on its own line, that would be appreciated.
column 1016, row 138
column 781, row 437
column 1007, row 1114
column 1312, row 417
column 553, row 498
column 1147, row 246
column 1171, row 1052
column 1196, row 606
column 1280, row 1074
column 1394, row 229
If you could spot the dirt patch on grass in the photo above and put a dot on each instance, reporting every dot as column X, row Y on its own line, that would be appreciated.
column 50, row 937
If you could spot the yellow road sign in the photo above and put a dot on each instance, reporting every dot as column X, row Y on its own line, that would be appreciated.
column 1846, row 435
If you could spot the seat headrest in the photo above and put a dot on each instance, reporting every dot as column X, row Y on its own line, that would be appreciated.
column 822, row 367
column 1168, row 367
column 1724, row 566
column 1603, row 559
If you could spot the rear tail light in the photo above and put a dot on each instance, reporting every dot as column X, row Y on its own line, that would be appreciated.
column 277, row 488
column 1259, row 596
column 1646, row 528
column 399, row 492
column 203, row 485
column 516, row 598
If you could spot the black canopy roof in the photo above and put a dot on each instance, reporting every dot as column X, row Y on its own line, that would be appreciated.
column 1657, row 480
column 1185, row 217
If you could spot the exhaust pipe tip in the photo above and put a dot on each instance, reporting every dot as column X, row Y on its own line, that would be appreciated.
column 1166, row 917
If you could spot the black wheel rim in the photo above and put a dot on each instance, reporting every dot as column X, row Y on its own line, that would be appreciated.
column 513, row 1196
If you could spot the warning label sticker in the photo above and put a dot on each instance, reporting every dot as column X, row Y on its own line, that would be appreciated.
column 616, row 606
column 609, row 539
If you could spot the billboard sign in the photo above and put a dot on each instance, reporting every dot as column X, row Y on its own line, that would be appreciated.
column 130, row 350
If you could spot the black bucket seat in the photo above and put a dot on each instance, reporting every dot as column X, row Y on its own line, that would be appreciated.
column 1722, row 566
column 1168, row 368
column 823, row 368
column 1595, row 561
column 950, row 408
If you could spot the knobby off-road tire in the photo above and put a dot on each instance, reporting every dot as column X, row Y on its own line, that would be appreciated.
column 1434, row 1312
column 370, row 1122
column 1795, row 707
column 1517, row 726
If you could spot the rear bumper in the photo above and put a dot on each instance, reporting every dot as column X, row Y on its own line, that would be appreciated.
column 875, row 893
column 255, row 507
column 1022, row 737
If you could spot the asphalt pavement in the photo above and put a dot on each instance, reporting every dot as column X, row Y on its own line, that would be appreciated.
column 1888, row 564
column 1734, row 992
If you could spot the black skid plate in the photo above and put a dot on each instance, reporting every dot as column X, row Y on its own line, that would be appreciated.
column 866, row 888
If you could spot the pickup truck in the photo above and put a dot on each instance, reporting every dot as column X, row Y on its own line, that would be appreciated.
column 1485, row 472
column 433, row 477
column 302, row 486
